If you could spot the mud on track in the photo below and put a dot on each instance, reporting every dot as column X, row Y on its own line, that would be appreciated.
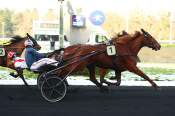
column 17, row 100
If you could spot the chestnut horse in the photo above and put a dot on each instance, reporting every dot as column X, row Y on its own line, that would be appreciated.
column 127, row 48
column 16, row 44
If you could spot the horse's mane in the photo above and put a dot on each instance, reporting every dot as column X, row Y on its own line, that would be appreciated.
column 11, row 40
column 58, row 50
column 125, row 37
column 16, row 39
column 119, row 34
column 135, row 35
column 123, row 33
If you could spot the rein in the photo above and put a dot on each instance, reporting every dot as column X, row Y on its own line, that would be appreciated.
column 98, row 53
column 16, row 48
column 70, row 58
column 92, row 53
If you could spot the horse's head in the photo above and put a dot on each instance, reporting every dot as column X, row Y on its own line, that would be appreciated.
column 35, row 44
column 150, row 41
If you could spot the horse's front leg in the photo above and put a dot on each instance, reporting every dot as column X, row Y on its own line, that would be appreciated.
column 117, row 78
column 137, row 71
column 91, row 69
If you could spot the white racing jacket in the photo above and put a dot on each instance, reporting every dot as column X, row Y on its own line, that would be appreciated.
column 19, row 63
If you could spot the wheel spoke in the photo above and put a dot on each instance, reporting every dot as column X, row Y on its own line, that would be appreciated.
column 47, row 83
column 59, row 92
column 59, row 83
column 51, row 93
column 53, row 89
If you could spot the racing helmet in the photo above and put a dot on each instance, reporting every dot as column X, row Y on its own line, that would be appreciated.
column 28, row 42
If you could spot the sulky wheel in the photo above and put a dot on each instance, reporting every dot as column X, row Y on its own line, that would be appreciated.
column 41, row 78
column 53, row 89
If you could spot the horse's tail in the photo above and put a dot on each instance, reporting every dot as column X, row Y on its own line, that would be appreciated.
column 54, row 52
column 71, row 50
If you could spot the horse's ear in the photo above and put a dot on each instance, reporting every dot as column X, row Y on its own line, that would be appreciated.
column 28, row 35
column 143, row 30
column 124, row 32
column 145, row 33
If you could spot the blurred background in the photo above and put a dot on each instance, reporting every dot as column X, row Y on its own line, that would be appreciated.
column 41, row 19
column 79, row 20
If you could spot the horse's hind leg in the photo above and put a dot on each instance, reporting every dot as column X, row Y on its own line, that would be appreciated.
column 102, row 73
column 91, row 69
column 20, row 74
column 117, row 77
column 22, row 77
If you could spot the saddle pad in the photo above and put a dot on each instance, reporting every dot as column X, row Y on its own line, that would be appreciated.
column 5, row 41
column 2, row 51
column 20, row 63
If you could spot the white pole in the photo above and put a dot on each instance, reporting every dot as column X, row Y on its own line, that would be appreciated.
column 171, row 28
column 170, row 33
column 127, row 22
column 3, row 29
column 61, row 34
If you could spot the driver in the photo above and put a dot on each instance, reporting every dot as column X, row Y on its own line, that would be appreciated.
column 34, row 59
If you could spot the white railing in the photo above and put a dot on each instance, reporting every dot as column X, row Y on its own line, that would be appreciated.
column 166, row 41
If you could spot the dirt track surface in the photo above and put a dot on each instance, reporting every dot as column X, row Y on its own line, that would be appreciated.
column 88, row 101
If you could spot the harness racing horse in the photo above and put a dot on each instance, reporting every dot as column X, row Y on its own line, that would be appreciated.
column 16, row 44
column 117, row 77
column 127, row 48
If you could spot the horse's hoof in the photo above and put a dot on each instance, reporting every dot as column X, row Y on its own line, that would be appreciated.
column 117, row 84
column 12, row 74
column 158, row 88
column 113, row 78
column 104, row 89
